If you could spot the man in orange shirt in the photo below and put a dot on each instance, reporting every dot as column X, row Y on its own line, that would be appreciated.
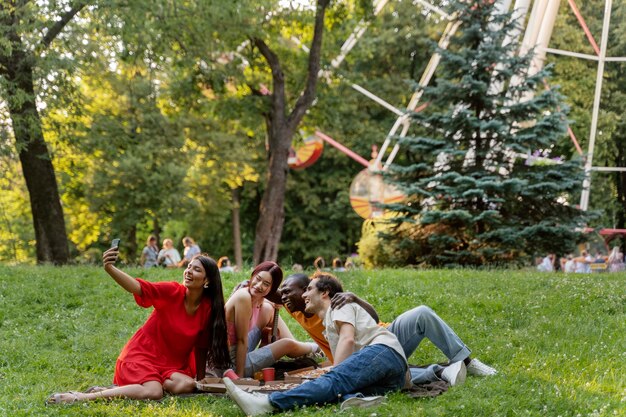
column 411, row 327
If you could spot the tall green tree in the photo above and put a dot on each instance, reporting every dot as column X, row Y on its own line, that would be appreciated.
column 142, row 103
column 481, row 184
column 27, row 30
column 255, row 55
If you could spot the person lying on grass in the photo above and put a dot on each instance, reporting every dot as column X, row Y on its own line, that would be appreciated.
column 369, row 360
column 188, row 320
column 248, row 311
column 411, row 327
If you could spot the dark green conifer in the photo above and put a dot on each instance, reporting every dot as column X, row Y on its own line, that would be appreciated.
column 483, row 186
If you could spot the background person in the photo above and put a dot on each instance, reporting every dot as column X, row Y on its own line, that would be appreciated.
column 319, row 263
column 191, row 250
column 338, row 265
column 168, row 256
column 616, row 260
column 547, row 263
column 582, row 263
column 569, row 265
column 187, row 318
column 224, row 265
column 150, row 253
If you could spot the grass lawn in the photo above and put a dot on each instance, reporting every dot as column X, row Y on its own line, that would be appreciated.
column 558, row 341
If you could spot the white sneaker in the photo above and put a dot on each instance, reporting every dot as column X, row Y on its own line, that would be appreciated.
column 362, row 402
column 455, row 373
column 478, row 368
column 252, row 403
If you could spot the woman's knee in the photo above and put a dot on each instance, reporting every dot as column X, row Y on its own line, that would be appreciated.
column 282, row 347
column 285, row 344
column 179, row 385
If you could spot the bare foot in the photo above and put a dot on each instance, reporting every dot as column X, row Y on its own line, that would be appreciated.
column 69, row 397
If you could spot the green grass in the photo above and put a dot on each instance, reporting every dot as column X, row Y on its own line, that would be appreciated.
column 558, row 341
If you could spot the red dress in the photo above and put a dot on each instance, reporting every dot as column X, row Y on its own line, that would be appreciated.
column 166, row 341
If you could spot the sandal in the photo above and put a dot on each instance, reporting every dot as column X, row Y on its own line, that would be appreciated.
column 58, row 398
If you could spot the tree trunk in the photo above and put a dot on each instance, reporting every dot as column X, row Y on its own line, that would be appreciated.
column 156, row 229
column 131, row 243
column 45, row 202
column 16, row 65
column 269, row 228
column 281, row 127
column 237, row 230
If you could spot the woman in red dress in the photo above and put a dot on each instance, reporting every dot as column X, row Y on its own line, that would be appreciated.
column 186, row 328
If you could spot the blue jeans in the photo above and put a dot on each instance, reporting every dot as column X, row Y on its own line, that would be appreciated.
column 373, row 370
column 413, row 326
column 256, row 359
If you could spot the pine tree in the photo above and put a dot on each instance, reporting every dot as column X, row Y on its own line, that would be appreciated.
column 482, row 185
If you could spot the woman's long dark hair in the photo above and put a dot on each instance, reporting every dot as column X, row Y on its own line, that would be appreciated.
column 218, row 355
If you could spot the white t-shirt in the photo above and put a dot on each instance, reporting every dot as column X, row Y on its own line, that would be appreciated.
column 366, row 330
column 172, row 257
column 546, row 265
column 191, row 251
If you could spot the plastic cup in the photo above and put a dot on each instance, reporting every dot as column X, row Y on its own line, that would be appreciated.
column 268, row 374
column 231, row 374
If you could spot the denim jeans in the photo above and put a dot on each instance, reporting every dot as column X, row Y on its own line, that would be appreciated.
column 422, row 322
column 256, row 359
column 373, row 370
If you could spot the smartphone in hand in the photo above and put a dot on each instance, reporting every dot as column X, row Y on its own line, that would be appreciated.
column 115, row 243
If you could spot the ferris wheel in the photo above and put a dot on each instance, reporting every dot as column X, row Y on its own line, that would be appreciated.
column 368, row 190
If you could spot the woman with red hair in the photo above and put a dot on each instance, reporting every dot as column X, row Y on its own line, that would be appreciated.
column 248, row 311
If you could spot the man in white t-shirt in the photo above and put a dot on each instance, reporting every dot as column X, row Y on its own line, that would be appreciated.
column 368, row 359
column 547, row 264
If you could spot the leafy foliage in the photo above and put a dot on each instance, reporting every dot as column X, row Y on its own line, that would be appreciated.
column 187, row 76
column 15, row 217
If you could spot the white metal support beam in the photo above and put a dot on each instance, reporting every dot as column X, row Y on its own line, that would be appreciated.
column 584, row 198
column 358, row 32
column 572, row 54
column 427, row 75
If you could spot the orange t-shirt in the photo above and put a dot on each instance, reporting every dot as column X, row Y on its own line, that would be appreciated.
column 315, row 328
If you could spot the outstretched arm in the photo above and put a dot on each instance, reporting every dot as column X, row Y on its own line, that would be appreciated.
column 125, row 281
column 342, row 298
